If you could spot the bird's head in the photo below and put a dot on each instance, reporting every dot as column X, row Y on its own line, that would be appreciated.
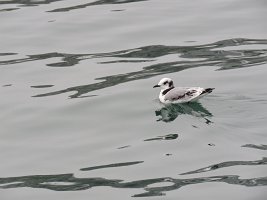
column 165, row 83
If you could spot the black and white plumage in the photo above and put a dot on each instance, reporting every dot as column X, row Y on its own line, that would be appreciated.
column 170, row 94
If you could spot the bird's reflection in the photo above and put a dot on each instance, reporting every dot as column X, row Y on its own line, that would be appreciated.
column 170, row 112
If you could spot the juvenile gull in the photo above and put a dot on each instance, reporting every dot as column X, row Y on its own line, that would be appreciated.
column 170, row 94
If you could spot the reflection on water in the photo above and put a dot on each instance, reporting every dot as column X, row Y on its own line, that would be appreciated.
column 8, row 9
column 124, row 147
column 201, row 55
column 41, row 86
column 7, row 85
column 261, row 147
column 227, row 164
column 111, row 165
column 170, row 112
column 65, row 9
column 173, row 136
column 95, row 3
column 68, row 182
column 40, row 58
column 7, row 54
column 209, row 55
column 67, row 59
column 28, row 2
column 164, row 137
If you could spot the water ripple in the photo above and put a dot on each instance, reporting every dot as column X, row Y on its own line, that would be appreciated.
column 261, row 147
column 68, row 182
column 227, row 164
column 42, row 86
column 28, row 2
column 195, row 56
column 111, row 165
column 67, row 59
column 164, row 137
column 95, row 3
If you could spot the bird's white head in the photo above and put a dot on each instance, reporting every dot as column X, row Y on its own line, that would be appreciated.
column 165, row 83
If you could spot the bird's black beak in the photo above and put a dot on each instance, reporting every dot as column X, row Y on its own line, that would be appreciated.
column 156, row 86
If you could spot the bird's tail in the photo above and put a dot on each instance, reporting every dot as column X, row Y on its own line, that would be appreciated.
column 207, row 90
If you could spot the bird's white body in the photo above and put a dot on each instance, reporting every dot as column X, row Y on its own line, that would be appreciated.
column 170, row 94
column 184, row 99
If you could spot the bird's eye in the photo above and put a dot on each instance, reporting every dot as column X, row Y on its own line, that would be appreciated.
column 165, row 82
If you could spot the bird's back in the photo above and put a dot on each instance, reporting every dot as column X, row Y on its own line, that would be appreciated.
column 183, row 94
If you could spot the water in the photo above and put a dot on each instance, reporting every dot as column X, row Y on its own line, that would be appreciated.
column 80, row 119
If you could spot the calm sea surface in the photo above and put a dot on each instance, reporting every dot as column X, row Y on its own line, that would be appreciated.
column 80, row 119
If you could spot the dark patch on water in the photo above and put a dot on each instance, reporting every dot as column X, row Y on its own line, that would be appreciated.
column 118, row 10
column 8, row 54
column 164, row 137
column 125, row 61
column 261, row 147
column 168, row 154
column 42, row 86
column 68, row 182
column 95, row 3
column 207, row 121
column 111, row 165
column 211, row 144
column 28, row 2
column 67, row 59
column 8, row 9
column 123, row 147
column 227, row 164
column 7, row 85
column 86, row 96
column 201, row 55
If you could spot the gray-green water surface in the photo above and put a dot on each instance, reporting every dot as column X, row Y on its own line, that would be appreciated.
column 80, row 119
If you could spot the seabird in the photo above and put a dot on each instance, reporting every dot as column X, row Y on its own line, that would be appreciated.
column 170, row 94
